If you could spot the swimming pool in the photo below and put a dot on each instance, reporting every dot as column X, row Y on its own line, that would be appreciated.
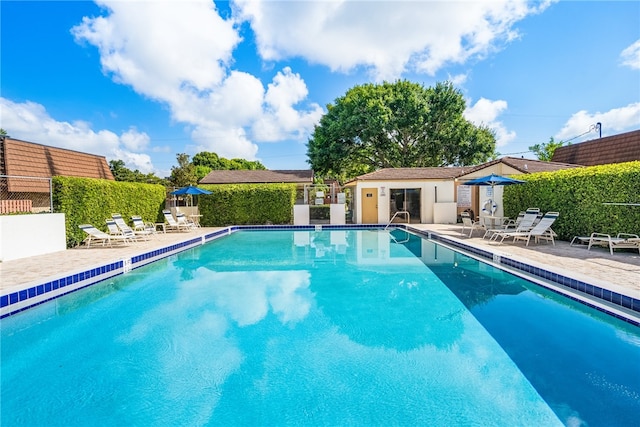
column 305, row 328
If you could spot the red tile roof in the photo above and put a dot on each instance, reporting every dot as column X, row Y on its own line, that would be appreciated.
column 258, row 177
column 22, row 158
column 624, row 147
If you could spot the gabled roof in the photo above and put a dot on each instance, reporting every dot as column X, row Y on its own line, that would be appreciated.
column 624, row 147
column 258, row 177
column 22, row 158
column 524, row 165
column 390, row 174
column 446, row 173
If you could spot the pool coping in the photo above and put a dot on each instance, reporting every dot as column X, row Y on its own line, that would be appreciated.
column 613, row 303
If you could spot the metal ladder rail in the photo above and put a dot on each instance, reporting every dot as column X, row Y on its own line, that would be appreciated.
column 395, row 215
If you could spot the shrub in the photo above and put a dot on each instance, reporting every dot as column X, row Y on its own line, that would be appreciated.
column 579, row 195
column 241, row 204
column 91, row 201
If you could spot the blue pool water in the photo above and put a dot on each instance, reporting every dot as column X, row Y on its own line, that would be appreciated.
column 318, row 328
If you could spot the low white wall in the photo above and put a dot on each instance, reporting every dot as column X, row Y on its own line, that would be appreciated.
column 445, row 213
column 23, row 236
column 338, row 212
column 301, row 214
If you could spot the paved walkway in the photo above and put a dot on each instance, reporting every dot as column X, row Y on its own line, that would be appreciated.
column 619, row 272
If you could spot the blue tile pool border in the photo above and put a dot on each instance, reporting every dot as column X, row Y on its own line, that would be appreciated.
column 20, row 300
column 509, row 264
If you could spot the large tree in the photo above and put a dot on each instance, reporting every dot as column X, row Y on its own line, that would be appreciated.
column 184, row 174
column 545, row 151
column 401, row 124
column 122, row 173
column 207, row 161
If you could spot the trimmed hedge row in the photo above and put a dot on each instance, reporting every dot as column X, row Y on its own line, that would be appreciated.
column 91, row 201
column 579, row 195
column 242, row 204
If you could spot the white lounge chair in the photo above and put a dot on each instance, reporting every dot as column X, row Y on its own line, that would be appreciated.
column 98, row 236
column 542, row 230
column 510, row 225
column 468, row 222
column 140, row 225
column 525, row 222
column 171, row 224
column 114, row 230
column 621, row 241
column 182, row 219
column 126, row 230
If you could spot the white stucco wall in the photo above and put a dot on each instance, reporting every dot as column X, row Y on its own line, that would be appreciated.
column 23, row 236
column 301, row 214
column 445, row 194
column 337, row 213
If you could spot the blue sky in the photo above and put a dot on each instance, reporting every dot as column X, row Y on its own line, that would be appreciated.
column 142, row 81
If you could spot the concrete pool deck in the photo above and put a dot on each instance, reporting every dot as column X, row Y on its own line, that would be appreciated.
column 619, row 272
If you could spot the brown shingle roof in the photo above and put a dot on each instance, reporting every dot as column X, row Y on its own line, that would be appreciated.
column 525, row 165
column 22, row 158
column 389, row 174
column 624, row 147
column 258, row 177
column 412, row 174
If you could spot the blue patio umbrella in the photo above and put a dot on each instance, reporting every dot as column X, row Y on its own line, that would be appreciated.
column 190, row 190
column 493, row 180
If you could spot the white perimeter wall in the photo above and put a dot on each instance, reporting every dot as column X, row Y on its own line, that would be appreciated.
column 23, row 236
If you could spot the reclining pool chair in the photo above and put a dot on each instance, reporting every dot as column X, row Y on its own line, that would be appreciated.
column 525, row 222
column 183, row 220
column 126, row 230
column 621, row 241
column 99, row 236
column 542, row 230
column 171, row 224
column 140, row 225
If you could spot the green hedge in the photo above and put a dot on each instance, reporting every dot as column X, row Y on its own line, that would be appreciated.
column 241, row 204
column 91, row 201
column 578, row 194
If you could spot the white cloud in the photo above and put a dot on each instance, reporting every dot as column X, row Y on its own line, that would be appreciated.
column 30, row 121
column 631, row 56
column 485, row 112
column 281, row 119
column 180, row 54
column 134, row 140
column 612, row 122
column 386, row 37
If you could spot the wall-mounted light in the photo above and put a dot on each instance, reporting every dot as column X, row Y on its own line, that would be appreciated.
column 382, row 191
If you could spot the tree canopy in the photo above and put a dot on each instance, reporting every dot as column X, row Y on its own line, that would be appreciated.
column 545, row 151
column 184, row 174
column 401, row 124
column 206, row 161
column 122, row 173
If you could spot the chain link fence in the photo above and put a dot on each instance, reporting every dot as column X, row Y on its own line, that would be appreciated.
column 25, row 194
